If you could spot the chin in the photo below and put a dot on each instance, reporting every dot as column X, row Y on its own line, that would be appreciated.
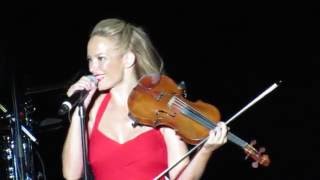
column 103, row 87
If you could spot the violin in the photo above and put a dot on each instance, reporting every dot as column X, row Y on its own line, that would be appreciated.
column 158, row 101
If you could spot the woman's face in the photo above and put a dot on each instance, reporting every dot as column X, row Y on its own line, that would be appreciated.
column 105, row 62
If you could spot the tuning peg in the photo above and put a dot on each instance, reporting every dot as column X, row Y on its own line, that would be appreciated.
column 253, row 142
column 255, row 164
column 262, row 150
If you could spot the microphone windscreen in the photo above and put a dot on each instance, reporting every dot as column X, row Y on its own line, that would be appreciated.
column 93, row 79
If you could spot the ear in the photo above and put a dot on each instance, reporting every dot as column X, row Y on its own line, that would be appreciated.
column 129, row 59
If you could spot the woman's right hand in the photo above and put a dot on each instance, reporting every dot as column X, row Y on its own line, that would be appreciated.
column 84, row 83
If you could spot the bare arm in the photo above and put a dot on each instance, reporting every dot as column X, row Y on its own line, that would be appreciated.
column 72, row 163
column 72, row 150
column 176, row 148
column 193, row 169
column 197, row 165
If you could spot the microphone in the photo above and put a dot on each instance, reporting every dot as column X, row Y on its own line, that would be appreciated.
column 76, row 98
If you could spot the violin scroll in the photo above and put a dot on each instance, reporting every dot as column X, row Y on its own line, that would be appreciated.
column 258, row 156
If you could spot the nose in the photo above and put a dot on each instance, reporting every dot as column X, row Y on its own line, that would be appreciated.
column 93, row 66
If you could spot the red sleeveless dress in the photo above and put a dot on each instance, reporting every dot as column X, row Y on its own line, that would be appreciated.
column 142, row 158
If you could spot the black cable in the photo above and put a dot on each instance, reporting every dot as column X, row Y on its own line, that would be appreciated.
column 42, row 164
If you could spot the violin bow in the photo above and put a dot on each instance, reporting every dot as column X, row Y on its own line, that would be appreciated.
column 255, row 100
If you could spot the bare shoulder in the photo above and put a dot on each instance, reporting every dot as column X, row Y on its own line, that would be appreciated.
column 166, row 131
column 172, row 139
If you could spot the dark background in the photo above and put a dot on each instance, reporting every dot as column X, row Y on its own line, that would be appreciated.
column 227, row 56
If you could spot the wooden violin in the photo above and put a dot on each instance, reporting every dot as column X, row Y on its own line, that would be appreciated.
column 158, row 101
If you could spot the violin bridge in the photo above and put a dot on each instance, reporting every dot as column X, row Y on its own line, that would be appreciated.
column 171, row 101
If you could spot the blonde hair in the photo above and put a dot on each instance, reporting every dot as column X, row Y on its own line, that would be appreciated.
column 131, row 38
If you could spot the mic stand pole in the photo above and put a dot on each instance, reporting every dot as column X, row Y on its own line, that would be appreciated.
column 18, row 153
column 84, row 141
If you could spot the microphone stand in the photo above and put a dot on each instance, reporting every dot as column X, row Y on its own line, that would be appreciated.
column 84, row 139
column 17, row 150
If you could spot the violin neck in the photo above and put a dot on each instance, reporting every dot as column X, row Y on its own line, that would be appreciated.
column 238, row 141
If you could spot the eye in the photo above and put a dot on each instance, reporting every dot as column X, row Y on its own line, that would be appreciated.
column 89, row 59
column 101, row 58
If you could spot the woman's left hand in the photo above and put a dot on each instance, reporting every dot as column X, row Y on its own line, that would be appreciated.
column 217, row 137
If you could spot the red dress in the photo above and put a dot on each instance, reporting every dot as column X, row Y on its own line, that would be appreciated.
column 143, row 157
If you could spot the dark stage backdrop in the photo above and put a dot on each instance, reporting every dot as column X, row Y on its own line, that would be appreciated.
column 226, row 56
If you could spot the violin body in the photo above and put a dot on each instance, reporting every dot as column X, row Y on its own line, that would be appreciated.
column 150, row 104
column 158, row 101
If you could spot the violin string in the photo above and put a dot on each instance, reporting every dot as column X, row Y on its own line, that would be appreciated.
column 194, row 113
column 204, row 121
column 251, row 151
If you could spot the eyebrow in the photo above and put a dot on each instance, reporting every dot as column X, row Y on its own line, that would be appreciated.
column 98, row 54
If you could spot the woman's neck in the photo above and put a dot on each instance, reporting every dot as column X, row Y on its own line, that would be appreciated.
column 121, row 92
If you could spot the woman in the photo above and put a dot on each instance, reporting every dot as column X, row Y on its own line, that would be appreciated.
column 119, row 54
